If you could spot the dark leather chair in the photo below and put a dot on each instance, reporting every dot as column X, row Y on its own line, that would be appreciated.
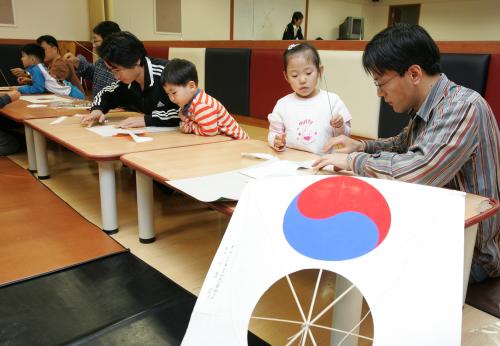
column 227, row 78
column 11, row 57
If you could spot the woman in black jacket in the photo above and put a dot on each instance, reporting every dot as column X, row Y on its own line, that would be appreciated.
column 293, row 30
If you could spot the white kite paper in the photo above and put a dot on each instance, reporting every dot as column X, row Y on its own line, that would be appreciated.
column 112, row 130
column 230, row 185
column 400, row 244
column 43, row 98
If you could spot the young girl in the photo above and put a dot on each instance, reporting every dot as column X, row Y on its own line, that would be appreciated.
column 307, row 118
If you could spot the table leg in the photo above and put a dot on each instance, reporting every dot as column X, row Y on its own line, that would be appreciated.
column 42, row 166
column 107, row 188
column 469, row 242
column 30, row 147
column 145, row 208
column 346, row 313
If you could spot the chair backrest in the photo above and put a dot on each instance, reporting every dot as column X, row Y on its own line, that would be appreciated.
column 492, row 94
column 346, row 77
column 11, row 57
column 267, row 83
column 227, row 77
column 196, row 56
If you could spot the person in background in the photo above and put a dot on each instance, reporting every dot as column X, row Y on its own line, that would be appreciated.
column 60, row 69
column 32, row 56
column 293, row 31
column 98, row 73
column 9, row 144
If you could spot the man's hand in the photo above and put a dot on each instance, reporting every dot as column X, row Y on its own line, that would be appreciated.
column 338, row 160
column 343, row 144
column 96, row 116
column 131, row 122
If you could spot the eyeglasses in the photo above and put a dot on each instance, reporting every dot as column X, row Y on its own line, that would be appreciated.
column 380, row 85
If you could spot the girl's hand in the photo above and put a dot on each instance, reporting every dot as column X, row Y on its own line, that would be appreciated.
column 337, row 121
column 183, row 117
column 280, row 142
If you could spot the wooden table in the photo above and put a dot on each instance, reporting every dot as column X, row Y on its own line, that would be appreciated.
column 191, row 162
column 19, row 111
column 105, row 150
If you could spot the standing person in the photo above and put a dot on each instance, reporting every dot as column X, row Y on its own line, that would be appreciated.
column 98, row 73
column 138, row 86
column 293, row 31
column 307, row 118
column 452, row 139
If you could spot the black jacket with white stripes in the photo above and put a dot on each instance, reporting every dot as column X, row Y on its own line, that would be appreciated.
column 152, row 101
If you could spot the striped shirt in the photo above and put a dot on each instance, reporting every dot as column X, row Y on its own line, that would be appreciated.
column 208, row 117
column 452, row 141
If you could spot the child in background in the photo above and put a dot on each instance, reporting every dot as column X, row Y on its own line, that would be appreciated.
column 307, row 118
column 199, row 112
column 32, row 56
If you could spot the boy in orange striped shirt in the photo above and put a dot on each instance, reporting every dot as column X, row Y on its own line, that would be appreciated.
column 199, row 112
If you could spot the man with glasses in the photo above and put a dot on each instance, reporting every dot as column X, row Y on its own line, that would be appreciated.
column 452, row 139
column 138, row 86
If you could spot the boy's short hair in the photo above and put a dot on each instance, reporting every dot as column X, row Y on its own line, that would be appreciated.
column 50, row 40
column 179, row 72
column 106, row 28
column 400, row 46
column 122, row 49
column 35, row 50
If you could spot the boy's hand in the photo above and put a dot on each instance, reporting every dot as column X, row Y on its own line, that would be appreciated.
column 96, row 116
column 184, row 127
column 69, row 57
column 18, row 72
column 23, row 80
column 280, row 142
column 14, row 95
column 183, row 117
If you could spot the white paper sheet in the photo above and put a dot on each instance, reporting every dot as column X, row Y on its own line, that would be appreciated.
column 112, row 130
column 230, row 185
column 412, row 281
column 43, row 98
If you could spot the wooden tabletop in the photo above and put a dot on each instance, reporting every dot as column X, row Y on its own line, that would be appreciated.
column 90, row 145
column 19, row 111
column 191, row 162
column 205, row 160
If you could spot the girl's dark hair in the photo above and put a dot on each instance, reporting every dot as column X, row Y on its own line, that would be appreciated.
column 50, row 40
column 179, row 72
column 34, row 50
column 122, row 49
column 296, row 16
column 302, row 48
column 400, row 46
column 106, row 28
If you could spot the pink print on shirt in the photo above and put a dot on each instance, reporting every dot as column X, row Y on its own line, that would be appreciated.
column 306, row 131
